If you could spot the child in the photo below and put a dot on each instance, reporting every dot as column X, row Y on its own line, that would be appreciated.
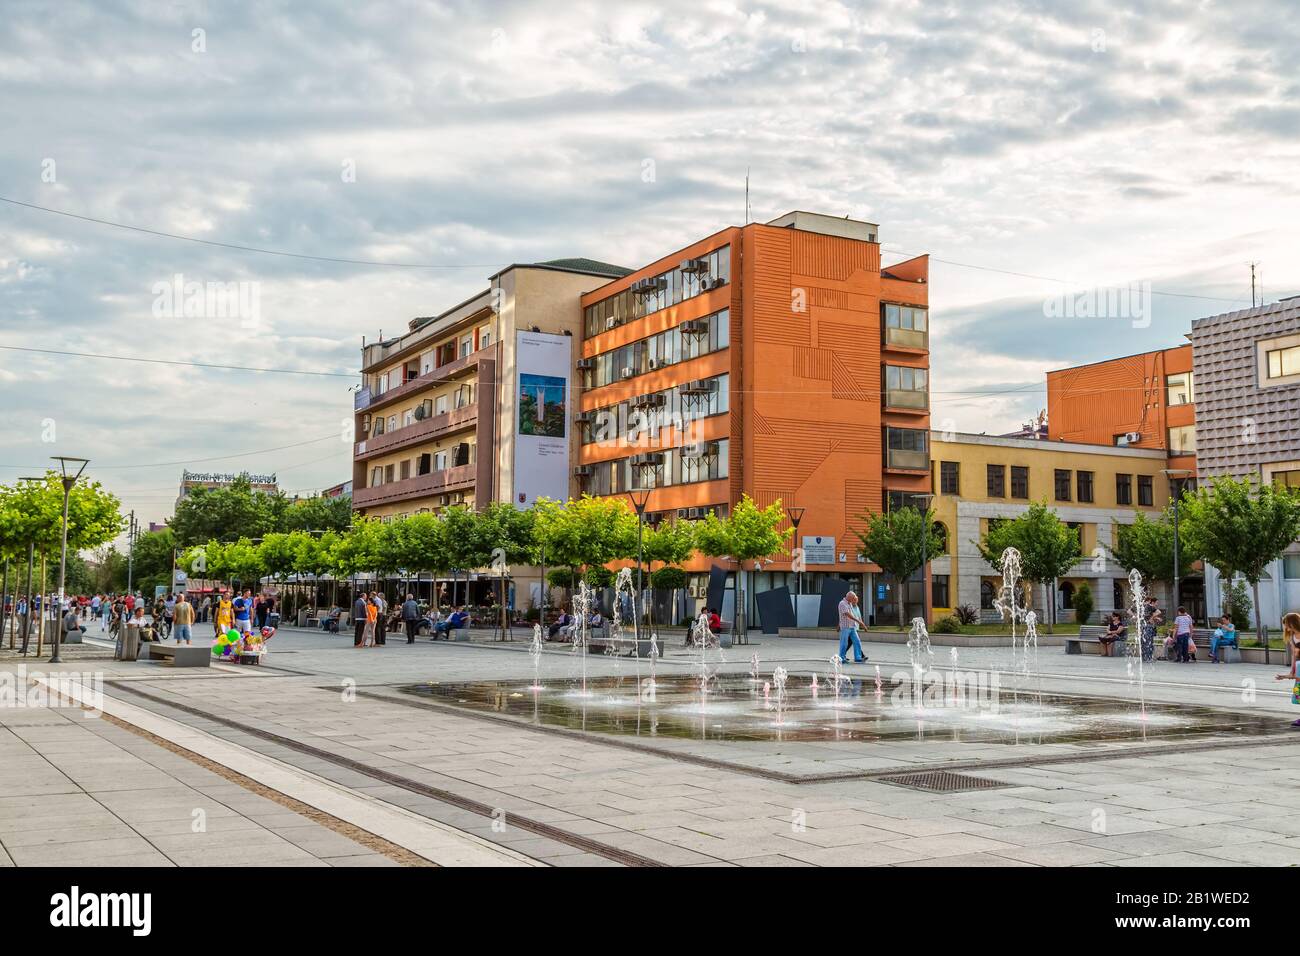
column 1291, row 641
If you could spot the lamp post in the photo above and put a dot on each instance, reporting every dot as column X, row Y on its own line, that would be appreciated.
column 69, row 479
column 925, row 498
column 1176, row 478
column 796, row 515
column 640, row 498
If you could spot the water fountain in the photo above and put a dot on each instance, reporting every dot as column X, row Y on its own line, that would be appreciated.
column 836, row 677
column 952, row 656
column 1024, row 646
column 753, row 667
column 1135, row 642
column 878, row 685
column 779, row 677
column 535, row 652
column 582, row 602
column 921, row 656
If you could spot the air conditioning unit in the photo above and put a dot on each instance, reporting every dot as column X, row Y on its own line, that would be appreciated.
column 694, row 327
column 701, row 386
column 1132, row 438
column 586, row 364
column 420, row 413
column 627, row 371
column 653, row 400
column 708, row 283
column 585, row 418
column 692, row 514
column 700, row 449
column 648, row 459
column 582, row 471
column 653, row 363
column 457, row 497
column 442, row 501
column 694, row 265
column 611, row 323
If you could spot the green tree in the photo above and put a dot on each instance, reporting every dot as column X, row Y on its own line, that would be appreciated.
column 669, row 542
column 151, row 560
column 1083, row 603
column 235, row 509
column 750, row 533
column 318, row 514
column 244, row 563
column 585, row 532
column 1048, row 547
column 901, row 540
column 1241, row 526
column 1147, row 545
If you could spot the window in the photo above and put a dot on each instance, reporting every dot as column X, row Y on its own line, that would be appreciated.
column 1066, row 595
column 1291, row 567
column 1182, row 440
column 678, row 344
column 1123, row 489
column 1283, row 362
column 950, row 478
column 405, row 470
column 1019, row 481
column 1145, row 496
column 652, row 293
column 485, row 336
column 1062, row 484
column 388, row 473
column 907, row 448
column 986, row 595
column 440, row 405
column 905, row 325
column 1077, row 528
column 426, row 462
column 466, row 344
column 905, row 387
column 1287, row 479
column 1178, row 388
column 939, row 590
column 439, row 460
column 997, row 477
column 1083, row 481
column 897, row 500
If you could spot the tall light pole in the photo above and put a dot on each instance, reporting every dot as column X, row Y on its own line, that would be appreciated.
column 69, row 479
column 1176, row 478
column 796, row 515
column 925, row 498
column 640, row 498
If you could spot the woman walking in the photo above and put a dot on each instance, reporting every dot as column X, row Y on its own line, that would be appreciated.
column 372, row 615
column 1291, row 643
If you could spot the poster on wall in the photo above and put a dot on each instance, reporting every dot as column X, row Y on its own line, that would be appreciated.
column 541, row 466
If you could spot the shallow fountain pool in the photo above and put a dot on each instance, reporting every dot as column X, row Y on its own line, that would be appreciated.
column 738, row 709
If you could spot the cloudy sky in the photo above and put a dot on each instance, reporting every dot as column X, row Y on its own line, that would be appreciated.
column 1033, row 149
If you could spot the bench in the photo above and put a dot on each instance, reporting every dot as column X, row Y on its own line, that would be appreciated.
column 180, row 655
column 1088, row 634
column 1201, row 637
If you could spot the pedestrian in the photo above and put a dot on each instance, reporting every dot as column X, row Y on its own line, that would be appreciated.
column 359, row 619
column 223, row 619
column 849, row 621
column 94, row 606
column 183, row 620
column 1291, row 644
column 169, row 612
column 368, row 629
column 205, row 608
column 381, row 620
column 243, row 607
column 261, row 611
column 411, row 617
column 1152, row 618
column 1183, row 636
column 1224, row 635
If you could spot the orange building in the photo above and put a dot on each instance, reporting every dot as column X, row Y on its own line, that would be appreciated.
column 1143, row 401
column 772, row 360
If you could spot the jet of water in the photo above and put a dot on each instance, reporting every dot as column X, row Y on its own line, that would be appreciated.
column 921, row 656
column 535, row 652
column 1138, row 592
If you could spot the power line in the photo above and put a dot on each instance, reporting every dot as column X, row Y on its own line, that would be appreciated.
column 196, row 461
column 149, row 361
column 241, row 248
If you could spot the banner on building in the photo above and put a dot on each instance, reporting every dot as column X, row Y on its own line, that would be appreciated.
column 543, row 363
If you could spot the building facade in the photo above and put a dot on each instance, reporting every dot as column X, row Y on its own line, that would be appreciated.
column 980, row 479
column 778, row 361
column 1247, row 367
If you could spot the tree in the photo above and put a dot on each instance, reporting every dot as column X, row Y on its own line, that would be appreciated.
column 1048, row 546
column 151, row 560
column 901, row 540
column 1147, row 545
column 750, row 533
column 318, row 514
column 212, row 513
column 670, row 542
column 1241, row 526
column 244, row 563
column 585, row 532
column 1082, row 603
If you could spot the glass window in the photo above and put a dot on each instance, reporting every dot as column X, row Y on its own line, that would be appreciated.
column 1283, row 362
column 997, row 476
column 1182, row 440
column 950, row 477
column 1291, row 567
column 1287, row 479
column 1178, row 388
column 1123, row 489
column 939, row 590
column 1145, row 494
column 1062, row 484
column 1019, row 481
column 1083, row 481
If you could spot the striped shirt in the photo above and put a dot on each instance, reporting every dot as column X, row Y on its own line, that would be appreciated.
column 848, row 615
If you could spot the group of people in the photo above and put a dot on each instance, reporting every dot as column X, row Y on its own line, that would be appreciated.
column 1179, row 643
column 373, row 617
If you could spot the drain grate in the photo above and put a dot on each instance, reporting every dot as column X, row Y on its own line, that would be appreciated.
column 941, row 781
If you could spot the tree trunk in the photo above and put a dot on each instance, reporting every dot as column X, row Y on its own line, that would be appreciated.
column 1261, row 632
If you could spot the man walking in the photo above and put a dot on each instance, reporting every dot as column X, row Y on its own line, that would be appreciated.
column 381, row 618
column 411, row 618
column 359, row 618
column 849, row 621
column 183, row 620
column 243, row 606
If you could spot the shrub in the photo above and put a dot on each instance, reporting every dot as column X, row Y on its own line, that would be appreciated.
column 967, row 614
column 1082, row 603
column 668, row 579
column 560, row 578
column 1237, row 604
column 947, row 625
column 599, row 577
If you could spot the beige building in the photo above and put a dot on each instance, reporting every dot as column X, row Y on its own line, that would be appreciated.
column 982, row 478
column 436, row 414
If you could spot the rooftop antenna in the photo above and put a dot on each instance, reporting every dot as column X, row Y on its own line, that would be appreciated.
column 747, row 195
column 1252, row 285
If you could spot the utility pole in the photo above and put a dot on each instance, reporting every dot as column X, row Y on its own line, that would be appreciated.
column 130, row 553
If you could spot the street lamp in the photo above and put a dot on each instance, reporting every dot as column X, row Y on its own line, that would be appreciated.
column 796, row 515
column 925, row 498
column 640, row 498
column 69, row 479
column 1176, row 477
column 31, row 561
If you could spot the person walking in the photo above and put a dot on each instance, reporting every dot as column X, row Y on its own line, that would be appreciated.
column 850, row 619
column 368, row 629
column 411, row 617
column 243, row 606
column 1152, row 618
column 381, row 619
column 183, row 620
column 205, row 608
column 1291, row 644
column 359, row 618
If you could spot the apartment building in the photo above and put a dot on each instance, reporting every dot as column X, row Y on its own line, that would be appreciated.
column 1143, row 401
column 1247, row 367
column 438, row 415
column 980, row 479
column 777, row 360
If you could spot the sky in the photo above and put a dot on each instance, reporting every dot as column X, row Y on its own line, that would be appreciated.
column 1034, row 150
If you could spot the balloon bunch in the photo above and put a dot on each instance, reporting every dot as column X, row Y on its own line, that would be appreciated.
column 226, row 644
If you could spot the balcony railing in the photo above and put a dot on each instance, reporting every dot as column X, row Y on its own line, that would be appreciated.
column 907, row 338
column 421, row 486
column 423, row 430
column 420, row 382
column 907, row 459
column 907, row 398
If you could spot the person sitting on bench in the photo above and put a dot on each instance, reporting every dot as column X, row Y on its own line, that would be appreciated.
column 72, row 622
column 147, row 631
column 1225, row 633
column 560, row 624
column 457, row 619
column 1115, row 631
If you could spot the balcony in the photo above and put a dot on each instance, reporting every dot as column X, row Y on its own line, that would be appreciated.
column 903, row 459
column 455, row 478
column 907, row 338
column 440, row 374
column 908, row 400
column 430, row 428
column 361, row 400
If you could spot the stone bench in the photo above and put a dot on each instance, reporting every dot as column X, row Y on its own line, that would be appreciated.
column 180, row 655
